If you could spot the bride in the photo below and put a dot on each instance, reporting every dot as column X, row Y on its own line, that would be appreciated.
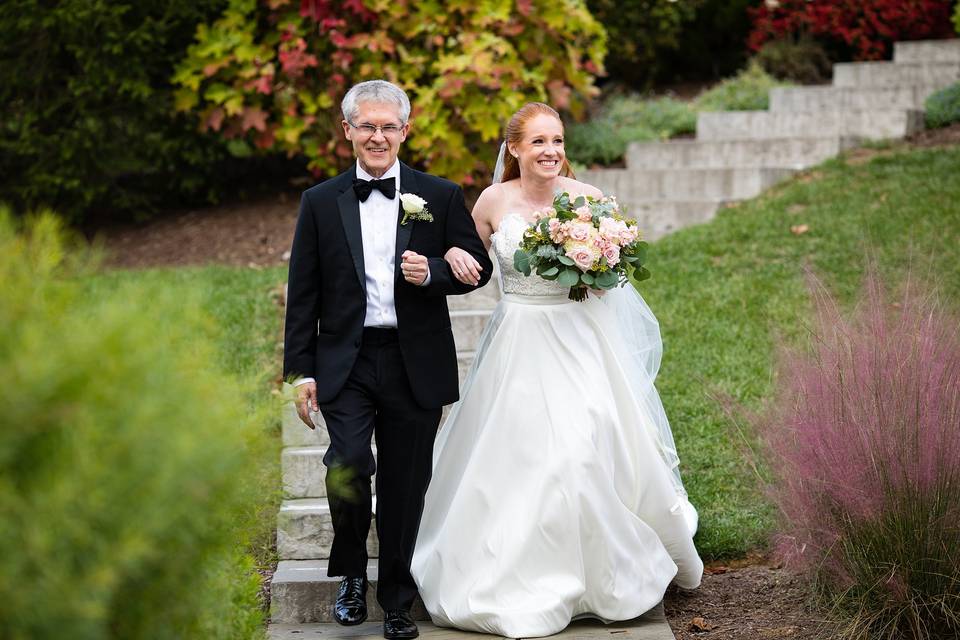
column 556, row 492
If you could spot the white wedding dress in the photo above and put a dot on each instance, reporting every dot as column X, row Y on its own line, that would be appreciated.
column 555, row 490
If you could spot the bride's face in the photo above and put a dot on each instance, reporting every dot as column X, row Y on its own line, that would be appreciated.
column 540, row 151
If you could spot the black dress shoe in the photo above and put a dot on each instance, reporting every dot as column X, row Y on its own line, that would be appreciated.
column 399, row 624
column 351, row 607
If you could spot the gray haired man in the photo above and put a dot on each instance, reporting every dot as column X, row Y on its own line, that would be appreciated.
column 368, row 338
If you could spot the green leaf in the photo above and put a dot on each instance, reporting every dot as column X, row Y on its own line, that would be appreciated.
column 239, row 148
column 569, row 277
column 521, row 261
column 587, row 279
column 640, row 274
column 579, row 202
column 565, row 260
column 607, row 279
column 552, row 271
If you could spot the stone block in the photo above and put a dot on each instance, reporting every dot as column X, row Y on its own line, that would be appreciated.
column 305, row 530
column 304, row 474
column 746, row 125
column 827, row 98
column 890, row 74
column 796, row 153
column 632, row 186
column 920, row 51
column 301, row 592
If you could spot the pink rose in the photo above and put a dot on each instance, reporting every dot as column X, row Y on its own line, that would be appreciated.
column 582, row 256
column 628, row 234
column 579, row 231
column 611, row 229
column 583, row 214
column 612, row 253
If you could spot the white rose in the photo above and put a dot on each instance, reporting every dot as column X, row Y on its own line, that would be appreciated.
column 412, row 203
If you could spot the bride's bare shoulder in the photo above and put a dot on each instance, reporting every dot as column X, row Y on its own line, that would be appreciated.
column 492, row 201
column 575, row 187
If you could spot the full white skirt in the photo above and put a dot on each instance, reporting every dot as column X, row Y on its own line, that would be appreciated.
column 549, row 499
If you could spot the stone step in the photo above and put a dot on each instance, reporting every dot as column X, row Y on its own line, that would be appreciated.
column 305, row 530
column 304, row 474
column 632, row 186
column 927, row 51
column 755, row 125
column 889, row 74
column 660, row 218
column 827, row 98
column 468, row 325
column 301, row 592
column 797, row 153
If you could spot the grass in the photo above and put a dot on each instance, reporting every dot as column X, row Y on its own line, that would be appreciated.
column 727, row 290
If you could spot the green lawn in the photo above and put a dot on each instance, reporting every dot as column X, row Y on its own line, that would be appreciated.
column 723, row 292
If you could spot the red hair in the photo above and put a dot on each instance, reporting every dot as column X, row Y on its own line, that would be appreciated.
column 514, row 134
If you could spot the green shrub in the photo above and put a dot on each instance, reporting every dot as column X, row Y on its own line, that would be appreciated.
column 802, row 60
column 87, row 109
column 956, row 18
column 943, row 107
column 624, row 119
column 127, row 461
column 640, row 32
column 749, row 90
column 269, row 76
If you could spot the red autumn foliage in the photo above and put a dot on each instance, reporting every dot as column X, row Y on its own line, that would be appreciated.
column 862, row 29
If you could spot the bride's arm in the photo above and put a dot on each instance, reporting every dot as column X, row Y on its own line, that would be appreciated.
column 465, row 267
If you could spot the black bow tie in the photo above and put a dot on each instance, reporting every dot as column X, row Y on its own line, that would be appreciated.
column 363, row 188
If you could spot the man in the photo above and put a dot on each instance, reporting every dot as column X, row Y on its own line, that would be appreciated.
column 368, row 334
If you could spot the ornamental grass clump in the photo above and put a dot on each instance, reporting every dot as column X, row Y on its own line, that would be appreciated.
column 864, row 444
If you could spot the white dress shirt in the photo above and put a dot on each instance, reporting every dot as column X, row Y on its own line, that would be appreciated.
column 378, row 229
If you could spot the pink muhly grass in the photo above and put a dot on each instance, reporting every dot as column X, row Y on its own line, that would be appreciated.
column 864, row 445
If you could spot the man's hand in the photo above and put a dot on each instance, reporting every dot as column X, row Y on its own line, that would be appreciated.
column 307, row 402
column 414, row 267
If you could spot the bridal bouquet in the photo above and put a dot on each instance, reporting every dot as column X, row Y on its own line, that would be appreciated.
column 583, row 243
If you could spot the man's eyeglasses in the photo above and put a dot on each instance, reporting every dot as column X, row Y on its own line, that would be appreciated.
column 367, row 129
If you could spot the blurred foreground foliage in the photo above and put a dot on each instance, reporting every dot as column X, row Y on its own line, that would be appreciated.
column 130, row 466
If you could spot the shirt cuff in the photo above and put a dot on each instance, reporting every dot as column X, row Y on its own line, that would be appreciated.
column 300, row 381
column 426, row 281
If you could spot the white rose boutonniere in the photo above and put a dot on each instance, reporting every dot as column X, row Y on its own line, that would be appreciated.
column 414, row 208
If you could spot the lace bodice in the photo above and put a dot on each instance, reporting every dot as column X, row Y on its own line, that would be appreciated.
column 505, row 242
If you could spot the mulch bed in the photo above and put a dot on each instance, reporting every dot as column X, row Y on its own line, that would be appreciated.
column 748, row 599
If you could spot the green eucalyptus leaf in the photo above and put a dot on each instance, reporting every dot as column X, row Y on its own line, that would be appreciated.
column 569, row 277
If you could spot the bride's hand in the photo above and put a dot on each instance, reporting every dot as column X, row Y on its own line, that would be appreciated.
column 465, row 267
column 598, row 292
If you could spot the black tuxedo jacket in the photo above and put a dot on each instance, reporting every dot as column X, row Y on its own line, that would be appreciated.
column 326, row 295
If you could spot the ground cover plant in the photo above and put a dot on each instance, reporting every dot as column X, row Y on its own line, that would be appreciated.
column 942, row 108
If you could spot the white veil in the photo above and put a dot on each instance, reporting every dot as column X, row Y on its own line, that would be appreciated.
column 498, row 169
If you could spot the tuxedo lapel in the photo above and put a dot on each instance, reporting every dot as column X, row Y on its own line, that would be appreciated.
column 408, row 184
column 350, row 216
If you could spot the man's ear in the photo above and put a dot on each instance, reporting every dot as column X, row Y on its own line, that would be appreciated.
column 346, row 129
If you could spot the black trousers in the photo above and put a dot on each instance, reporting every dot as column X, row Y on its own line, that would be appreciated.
column 377, row 398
